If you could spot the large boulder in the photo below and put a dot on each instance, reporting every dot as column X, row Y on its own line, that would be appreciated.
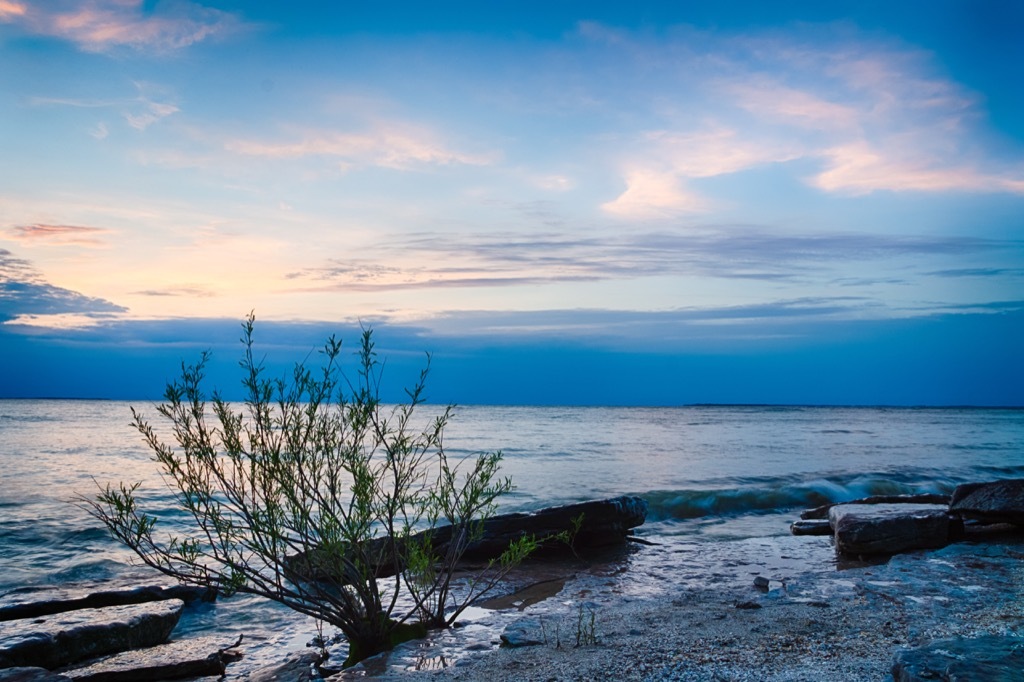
column 990, row 658
column 591, row 525
column 58, row 640
column 995, row 502
column 889, row 528
column 185, row 658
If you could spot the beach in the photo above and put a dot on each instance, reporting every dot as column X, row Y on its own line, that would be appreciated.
column 821, row 624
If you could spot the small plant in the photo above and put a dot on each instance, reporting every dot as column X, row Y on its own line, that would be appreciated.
column 315, row 495
column 586, row 626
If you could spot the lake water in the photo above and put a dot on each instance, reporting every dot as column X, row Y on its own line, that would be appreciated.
column 721, row 482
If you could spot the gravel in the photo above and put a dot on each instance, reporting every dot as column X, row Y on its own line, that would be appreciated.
column 820, row 624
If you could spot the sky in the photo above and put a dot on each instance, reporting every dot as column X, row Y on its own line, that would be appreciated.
column 562, row 203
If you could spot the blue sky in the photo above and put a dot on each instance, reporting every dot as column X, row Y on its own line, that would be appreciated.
column 643, row 203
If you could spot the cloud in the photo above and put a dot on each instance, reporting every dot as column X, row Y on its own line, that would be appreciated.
column 10, row 10
column 859, row 168
column 62, row 235
column 103, row 25
column 670, row 158
column 150, row 104
column 182, row 291
column 871, row 115
column 23, row 292
column 473, row 260
column 153, row 112
column 652, row 194
column 389, row 145
column 977, row 272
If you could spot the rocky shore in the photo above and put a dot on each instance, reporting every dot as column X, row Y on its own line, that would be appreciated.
column 892, row 610
column 775, row 612
column 823, row 624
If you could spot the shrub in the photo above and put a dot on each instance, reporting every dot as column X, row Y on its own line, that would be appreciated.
column 316, row 495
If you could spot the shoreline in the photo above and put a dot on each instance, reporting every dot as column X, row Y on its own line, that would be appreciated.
column 823, row 623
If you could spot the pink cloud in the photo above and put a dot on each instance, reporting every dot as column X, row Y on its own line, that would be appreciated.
column 390, row 146
column 859, row 168
column 100, row 25
column 76, row 235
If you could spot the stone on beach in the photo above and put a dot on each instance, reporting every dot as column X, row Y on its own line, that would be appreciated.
column 811, row 527
column 34, row 603
column 991, row 658
column 889, row 528
column 922, row 498
column 996, row 501
column 62, row 639
column 199, row 657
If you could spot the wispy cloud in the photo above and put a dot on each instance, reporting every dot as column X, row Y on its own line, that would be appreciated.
column 390, row 145
column 102, row 25
column 11, row 11
column 977, row 272
column 24, row 292
column 63, row 235
column 150, row 104
column 656, row 186
column 871, row 115
column 439, row 261
column 177, row 291
column 859, row 168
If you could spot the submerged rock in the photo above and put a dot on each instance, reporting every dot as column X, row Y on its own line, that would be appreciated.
column 30, row 675
column 199, row 657
column 991, row 658
column 997, row 501
column 889, row 528
column 58, row 640
column 297, row 667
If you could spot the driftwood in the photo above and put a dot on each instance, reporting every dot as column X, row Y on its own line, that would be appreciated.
column 590, row 525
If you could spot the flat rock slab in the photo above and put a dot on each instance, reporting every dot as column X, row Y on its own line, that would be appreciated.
column 31, row 675
column 920, row 498
column 997, row 501
column 34, row 603
column 198, row 657
column 984, row 659
column 889, row 528
column 55, row 641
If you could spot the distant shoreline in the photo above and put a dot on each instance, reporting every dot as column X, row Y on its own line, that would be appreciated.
column 767, row 406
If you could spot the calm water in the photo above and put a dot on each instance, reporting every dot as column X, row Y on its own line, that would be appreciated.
column 717, row 478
